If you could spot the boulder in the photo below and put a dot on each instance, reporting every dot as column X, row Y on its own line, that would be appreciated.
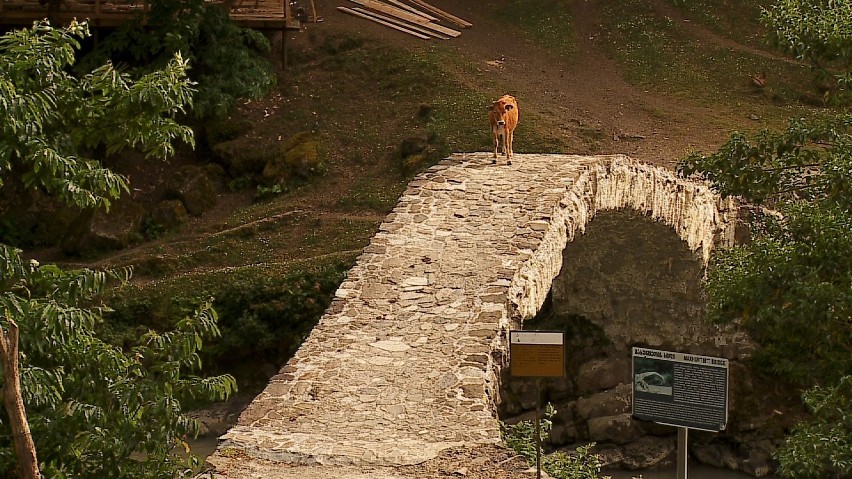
column 169, row 214
column 241, row 160
column 607, row 403
column 101, row 230
column 647, row 451
column 563, row 433
column 298, row 158
column 601, row 374
column 193, row 187
column 717, row 455
column 619, row 429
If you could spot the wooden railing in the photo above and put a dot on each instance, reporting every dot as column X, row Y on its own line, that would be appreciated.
column 262, row 14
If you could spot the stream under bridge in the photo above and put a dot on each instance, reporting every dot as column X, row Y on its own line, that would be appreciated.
column 406, row 361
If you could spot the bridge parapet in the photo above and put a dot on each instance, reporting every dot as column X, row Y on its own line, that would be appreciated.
column 406, row 361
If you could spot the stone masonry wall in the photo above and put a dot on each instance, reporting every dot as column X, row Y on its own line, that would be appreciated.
column 406, row 361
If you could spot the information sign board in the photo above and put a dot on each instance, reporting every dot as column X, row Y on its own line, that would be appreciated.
column 680, row 389
column 537, row 354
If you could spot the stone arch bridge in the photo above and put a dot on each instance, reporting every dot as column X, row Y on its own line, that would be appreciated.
column 406, row 361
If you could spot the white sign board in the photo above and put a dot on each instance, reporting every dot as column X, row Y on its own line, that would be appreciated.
column 680, row 389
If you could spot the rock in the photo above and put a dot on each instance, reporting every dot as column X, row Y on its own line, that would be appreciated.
column 169, row 214
column 298, row 158
column 758, row 463
column 611, row 456
column 647, row 451
column 562, row 433
column 526, row 391
column 193, row 187
column 716, row 455
column 241, row 160
column 619, row 429
column 608, row 403
column 104, row 230
column 600, row 374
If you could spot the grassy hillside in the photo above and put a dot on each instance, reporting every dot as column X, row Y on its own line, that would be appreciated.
column 368, row 95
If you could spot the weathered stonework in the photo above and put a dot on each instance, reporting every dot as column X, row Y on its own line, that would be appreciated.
column 406, row 361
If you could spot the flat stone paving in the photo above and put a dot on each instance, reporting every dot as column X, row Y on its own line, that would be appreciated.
column 404, row 363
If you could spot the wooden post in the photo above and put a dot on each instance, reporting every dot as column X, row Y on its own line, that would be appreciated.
column 538, row 429
column 314, row 11
column 682, row 439
column 286, row 16
column 284, row 47
column 22, row 438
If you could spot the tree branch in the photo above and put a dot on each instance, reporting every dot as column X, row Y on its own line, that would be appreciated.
column 14, row 404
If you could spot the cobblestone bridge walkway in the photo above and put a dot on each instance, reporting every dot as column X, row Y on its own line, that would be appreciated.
column 405, row 362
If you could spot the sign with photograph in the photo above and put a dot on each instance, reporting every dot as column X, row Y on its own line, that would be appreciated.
column 537, row 354
column 680, row 389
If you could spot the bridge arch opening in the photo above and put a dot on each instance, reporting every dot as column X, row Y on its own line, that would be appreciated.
column 629, row 274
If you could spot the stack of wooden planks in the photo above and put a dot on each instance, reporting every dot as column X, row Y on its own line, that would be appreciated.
column 414, row 17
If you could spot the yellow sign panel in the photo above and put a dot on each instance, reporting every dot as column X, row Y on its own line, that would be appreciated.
column 537, row 354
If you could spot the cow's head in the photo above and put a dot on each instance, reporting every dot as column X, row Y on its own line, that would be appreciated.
column 500, row 107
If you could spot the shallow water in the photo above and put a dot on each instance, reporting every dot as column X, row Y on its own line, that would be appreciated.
column 694, row 471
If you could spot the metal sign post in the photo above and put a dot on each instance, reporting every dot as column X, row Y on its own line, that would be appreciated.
column 538, row 354
column 682, row 436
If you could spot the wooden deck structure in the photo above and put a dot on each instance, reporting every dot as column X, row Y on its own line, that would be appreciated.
column 258, row 14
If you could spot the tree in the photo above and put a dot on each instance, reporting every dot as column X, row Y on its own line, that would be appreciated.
column 96, row 410
column 228, row 62
column 791, row 286
column 822, row 447
column 50, row 119
column 92, row 409
column 819, row 32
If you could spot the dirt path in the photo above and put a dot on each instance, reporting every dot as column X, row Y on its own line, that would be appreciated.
column 585, row 100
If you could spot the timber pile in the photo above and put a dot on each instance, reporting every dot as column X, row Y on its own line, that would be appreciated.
column 414, row 17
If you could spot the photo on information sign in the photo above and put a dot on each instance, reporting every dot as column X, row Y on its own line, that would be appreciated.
column 653, row 376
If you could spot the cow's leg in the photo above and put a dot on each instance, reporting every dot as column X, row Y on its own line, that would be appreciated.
column 510, row 137
column 496, row 137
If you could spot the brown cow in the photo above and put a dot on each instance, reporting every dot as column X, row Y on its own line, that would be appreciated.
column 503, row 116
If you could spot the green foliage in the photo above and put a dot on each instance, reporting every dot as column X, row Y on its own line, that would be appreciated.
column 580, row 465
column 263, row 317
column 819, row 32
column 821, row 448
column 227, row 61
column 267, row 192
column 96, row 410
column 50, row 120
column 808, row 162
column 791, row 285
column 549, row 22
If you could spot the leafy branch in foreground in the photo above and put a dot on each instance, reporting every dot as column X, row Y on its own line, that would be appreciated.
column 96, row 410
column 52, row 121
column 580, row 465
column 807, row 162
column 791, row 285
column 819, row 32
column 827, row 438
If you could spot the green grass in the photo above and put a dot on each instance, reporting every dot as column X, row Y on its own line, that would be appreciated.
column 363, row 98
column 658, row 53
column 547, row 22
column 735, row 19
